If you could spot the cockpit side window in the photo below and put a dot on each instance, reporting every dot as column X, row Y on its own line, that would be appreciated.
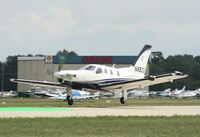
column 90, row 68
column 99, row 70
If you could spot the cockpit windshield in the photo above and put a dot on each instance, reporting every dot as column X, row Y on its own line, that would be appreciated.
column 90, row 68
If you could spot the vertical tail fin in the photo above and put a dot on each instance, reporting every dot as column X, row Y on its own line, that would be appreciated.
column 142, row 60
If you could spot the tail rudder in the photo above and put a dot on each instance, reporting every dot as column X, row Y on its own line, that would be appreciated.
column 142, row 60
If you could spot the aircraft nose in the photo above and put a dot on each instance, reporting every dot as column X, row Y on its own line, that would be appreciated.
column 70, row 75
column 64, row 75
column 57, row 74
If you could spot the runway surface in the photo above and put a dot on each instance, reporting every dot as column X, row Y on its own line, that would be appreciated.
column 92, row 112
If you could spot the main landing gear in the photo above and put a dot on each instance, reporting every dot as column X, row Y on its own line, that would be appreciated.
column 69, row 98
column 124, row 96
column 122, row 101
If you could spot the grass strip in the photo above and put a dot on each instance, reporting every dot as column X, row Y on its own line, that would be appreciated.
column 176, row 126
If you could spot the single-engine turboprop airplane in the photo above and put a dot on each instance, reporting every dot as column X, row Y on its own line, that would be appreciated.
column 95, row 77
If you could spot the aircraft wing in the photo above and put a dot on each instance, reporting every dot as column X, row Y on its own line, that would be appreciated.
column 74, row 85
column 148, row 81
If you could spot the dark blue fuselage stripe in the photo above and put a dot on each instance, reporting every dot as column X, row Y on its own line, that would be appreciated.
column 110, row 81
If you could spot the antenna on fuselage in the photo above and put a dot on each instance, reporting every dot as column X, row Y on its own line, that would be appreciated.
column 113, row 65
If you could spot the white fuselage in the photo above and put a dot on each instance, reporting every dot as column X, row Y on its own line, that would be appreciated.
column 95, row 72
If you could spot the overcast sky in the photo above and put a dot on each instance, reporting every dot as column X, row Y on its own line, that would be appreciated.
column 99, row 27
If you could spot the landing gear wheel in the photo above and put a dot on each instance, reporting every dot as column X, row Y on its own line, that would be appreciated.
column 122, row 101
column 70, row 101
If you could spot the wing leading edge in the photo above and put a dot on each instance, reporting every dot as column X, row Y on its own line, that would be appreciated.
column 38, row 83
column 74, row 85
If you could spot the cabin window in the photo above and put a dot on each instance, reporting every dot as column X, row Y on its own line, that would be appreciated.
column 118, row 74
column 111, row 72
column 105, row 71
column 99, row 70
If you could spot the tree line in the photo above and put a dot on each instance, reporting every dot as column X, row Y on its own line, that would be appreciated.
column 158, row 64
column 188, row 64
column 8, row 69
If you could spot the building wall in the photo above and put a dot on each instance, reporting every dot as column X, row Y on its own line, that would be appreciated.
column 36, row 68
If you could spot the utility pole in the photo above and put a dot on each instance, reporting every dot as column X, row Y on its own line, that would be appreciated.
column 2, row 78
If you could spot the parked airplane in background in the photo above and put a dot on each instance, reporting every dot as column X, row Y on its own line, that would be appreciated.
column 76, row 94
column 8, row 94
column 79, row 94
column 166, row 93
column 56, row 95
column 186, row 93
column 138, row 93
column 190, row 94
column 178, row 93
column 94, row 77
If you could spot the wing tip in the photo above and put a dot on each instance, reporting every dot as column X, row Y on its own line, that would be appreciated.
column 178, row 73
column 12, row 80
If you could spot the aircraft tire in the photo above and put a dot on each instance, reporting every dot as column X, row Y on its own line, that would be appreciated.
column 122, row 101
column 70, row 101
